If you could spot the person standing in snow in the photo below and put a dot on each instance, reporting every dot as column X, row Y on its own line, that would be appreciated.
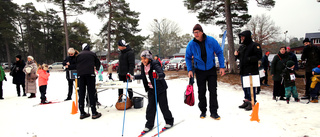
column 70, row 64
column 310, row 54
column 249, row 53
column 2, row 77
column 149, row 65
column 126, row 65
column 43, row 82
column 265, row 64
column 86, row 63
column 293, row 58
column 18, row 75
column 156, row 57
column 289, row 77
column 203, row 49
column 31, row 76
column 315, row 84
column 110, row 71
column 278, row 64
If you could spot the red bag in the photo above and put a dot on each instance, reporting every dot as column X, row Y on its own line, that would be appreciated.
column 189, row 96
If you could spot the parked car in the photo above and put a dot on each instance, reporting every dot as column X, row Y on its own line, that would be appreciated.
column 5, row 65
column 166, row 61
column 104, row 64
column 175, row 64
column 56, row 65
column 115, row 64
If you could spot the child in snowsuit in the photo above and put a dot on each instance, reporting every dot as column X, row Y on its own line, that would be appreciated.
column 315, row 84
column 43, row 82
column 149, row 65
column 289, row 77
column 2, row 77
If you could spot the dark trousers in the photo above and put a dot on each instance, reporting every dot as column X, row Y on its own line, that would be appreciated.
column 43, row 91
column 264, row 80
column 1, row 91
column 210, row 77
column 87, row 85
column 278, row 89
column 120, row 92
column 23, row 88
column 70, row 89
column 315, row 91
column 247, row 91
column 110, row 76
column 151, row 108
column 308, row 83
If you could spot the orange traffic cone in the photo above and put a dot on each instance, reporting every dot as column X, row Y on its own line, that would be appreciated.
column 74, row 109
column 254, row 114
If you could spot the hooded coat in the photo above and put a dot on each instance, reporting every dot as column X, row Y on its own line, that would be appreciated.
column 311, row 53
column 249, row 55
column 30, row 80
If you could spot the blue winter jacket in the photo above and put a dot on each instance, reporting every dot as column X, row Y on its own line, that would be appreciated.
column 212, row 46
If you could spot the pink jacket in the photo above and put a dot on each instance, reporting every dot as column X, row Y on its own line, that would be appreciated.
column 43, row 77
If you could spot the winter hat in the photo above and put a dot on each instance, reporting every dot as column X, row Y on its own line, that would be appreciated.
column 316, row 69
column 197, row 27
column 85, row 46
column 267, row 52
column 288, row 48
column 290, row 63
column 19, row 56
column 146, row 54
column 30, row 57
column 306, row 40
column 122, row 43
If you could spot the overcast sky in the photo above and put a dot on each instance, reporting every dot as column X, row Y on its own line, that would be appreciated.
column 295, row 16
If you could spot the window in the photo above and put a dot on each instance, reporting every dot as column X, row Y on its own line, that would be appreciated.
column 316, row 41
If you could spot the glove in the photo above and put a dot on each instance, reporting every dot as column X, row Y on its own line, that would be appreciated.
column 128, row 76
column 48, row 71
column 155, row 74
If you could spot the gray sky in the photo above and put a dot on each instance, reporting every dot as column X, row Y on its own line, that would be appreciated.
column 295, row 16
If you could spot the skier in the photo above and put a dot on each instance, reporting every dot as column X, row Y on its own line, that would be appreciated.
column 43, row 82
column 148, row 65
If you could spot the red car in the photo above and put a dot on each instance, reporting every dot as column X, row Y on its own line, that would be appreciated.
column 166, row 61
column 115, row 64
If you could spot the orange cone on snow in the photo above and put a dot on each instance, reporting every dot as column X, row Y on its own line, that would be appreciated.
column 254, row 115
column 74, row 109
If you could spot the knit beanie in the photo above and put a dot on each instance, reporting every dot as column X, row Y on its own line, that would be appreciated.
column 122, row 43
column 306, row 40
column 197, row 27
column 146, row 54
column 290, row 63
column 19, row 56
column 316, row 69
column 30, row 57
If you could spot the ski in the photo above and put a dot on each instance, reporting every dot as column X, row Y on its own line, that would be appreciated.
column 144, row 133
column 164, row 129
column 51, row 102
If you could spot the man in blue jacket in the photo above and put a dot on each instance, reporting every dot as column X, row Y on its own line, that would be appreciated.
column 203, row 48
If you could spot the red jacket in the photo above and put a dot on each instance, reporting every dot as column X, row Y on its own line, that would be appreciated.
column 43, row 77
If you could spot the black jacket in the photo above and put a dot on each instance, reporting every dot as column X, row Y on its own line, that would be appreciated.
column 294, row 59
column 86, row 61
column 160, row 82
column 287, row 79
column 126, row 62
column 312, row 55
column 17, row 72
column 72, row 61
column 265, row 62
column 278, row 64
column 249, row 55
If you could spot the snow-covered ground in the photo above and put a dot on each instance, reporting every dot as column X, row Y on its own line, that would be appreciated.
column 20, row 118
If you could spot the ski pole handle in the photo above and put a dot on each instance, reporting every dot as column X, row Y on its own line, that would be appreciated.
column 154, row 74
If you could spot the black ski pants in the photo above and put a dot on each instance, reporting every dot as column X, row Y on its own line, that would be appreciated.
column 278, row 89
column 204, row 78
column 308, row 83
column 70, row 88
column 43, row 91
column 23, row 88
column 87, row 85
column 151, row 108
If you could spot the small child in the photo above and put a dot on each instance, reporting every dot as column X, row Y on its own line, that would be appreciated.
column 315, row 84
column 147, row 67
column 2, row 77
column 43, row 82
column 100, row 72
column 289, row 77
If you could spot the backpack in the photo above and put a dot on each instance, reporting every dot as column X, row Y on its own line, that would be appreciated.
column 189, row 95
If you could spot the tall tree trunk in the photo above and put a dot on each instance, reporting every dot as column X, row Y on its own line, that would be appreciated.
column 232, row 61
column 8, row 53
column 22, row 40
column 109, row 31
column 65, row 29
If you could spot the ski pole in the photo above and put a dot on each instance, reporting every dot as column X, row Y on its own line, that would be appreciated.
column 125, row 105
column 154, row 74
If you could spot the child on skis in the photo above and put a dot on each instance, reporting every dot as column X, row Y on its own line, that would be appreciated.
column 289, row 77
column 43, row 82
column 149, row 65
column 315, row 85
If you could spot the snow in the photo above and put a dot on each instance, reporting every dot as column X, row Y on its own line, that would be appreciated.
column 20, row 118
